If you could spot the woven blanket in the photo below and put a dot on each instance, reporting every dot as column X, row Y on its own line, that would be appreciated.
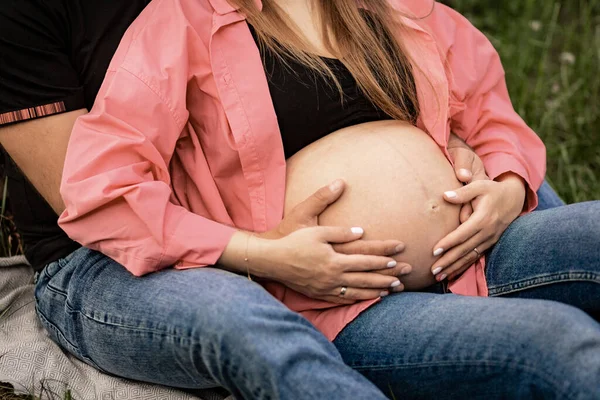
column 32, row 363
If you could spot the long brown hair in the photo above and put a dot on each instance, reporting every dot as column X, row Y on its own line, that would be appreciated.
column 363, row 41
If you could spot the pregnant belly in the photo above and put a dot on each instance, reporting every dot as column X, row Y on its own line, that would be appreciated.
column 395, row 175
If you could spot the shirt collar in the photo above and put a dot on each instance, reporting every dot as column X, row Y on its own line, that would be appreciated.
column 223, row 7
column 409, row 14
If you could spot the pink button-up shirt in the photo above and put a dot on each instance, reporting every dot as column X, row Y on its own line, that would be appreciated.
column 182, row 145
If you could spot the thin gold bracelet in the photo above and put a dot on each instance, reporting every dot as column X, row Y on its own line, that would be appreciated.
column 246, row 257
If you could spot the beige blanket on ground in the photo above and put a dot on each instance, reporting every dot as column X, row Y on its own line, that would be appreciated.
column 32, row 363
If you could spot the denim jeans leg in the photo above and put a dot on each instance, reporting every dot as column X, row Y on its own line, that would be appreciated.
column 552, row 254
column 192, row 329
column 547, row 198
column 434, row 346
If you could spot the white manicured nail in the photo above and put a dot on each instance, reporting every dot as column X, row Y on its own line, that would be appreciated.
column 383, row 294
column 335, row 185
column 392, row 264
column 437, row 270
column 357, row 230
column 438, row 251
column 464, row 171
column 395, row 284
column 451, row 194
column 442, row 277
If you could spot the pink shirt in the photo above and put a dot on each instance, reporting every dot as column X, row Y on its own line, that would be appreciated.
column 182, row 145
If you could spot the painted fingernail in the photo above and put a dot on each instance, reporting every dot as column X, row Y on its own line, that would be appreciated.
column 464, row 171
column 395, row 284
column 399, row 248
column 441, row 277
column 437, row 270
column 335, row 185
column 383, row 294
column 438, row 251
column 450, row 194
column 357, row 230
column 406, row 270
column 392, row 264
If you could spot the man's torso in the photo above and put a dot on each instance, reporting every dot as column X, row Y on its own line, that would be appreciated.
column 53, row 52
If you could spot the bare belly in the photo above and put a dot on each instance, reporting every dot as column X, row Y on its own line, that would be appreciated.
column 395, row 175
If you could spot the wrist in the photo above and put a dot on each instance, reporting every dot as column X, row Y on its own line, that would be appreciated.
column 515, row 184
column 249, row 253
column 272, row 234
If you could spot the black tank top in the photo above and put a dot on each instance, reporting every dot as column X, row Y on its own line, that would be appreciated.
column 309, row 107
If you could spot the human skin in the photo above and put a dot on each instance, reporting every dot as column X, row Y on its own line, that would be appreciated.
column 395, row 175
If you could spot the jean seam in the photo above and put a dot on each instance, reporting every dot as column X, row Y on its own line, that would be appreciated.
column 543, row 280
column 136, row 328
column 176, row 337
column 520, row 367
column 56, row 290
column 190, row 340
column 57, row 331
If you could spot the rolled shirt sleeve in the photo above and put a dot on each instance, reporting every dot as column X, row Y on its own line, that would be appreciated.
column 116, row 183
column 485, row 117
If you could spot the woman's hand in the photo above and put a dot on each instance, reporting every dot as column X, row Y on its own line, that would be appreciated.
column 306, row 261
column 496, row 204
column 468, row 168
column 318, row 261
column 306, row 215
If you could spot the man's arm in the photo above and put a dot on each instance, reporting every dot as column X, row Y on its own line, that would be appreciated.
column 41, row 93
column 38, row 147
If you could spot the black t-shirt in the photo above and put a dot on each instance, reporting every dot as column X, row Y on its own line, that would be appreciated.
column 53, row 58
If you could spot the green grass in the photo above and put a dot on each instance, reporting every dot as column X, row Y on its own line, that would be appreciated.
column 10, row 243
column 7, row 392
column 551, row 54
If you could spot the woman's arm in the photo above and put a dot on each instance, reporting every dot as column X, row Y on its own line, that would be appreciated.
column 482, row 114
column 116, row 183
column 117, row 193
column 487, row 122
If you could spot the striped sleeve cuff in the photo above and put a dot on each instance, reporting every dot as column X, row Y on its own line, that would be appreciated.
column 74, row 102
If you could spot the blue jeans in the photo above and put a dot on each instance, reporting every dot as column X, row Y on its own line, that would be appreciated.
column 573, row 246
column 553, row 254
column 202, row 328
column 547, row 198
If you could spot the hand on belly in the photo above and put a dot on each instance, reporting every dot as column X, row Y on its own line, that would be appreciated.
column 395, row 176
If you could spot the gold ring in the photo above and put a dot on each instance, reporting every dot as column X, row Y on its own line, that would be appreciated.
column 477, row 251
column 343, row 291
